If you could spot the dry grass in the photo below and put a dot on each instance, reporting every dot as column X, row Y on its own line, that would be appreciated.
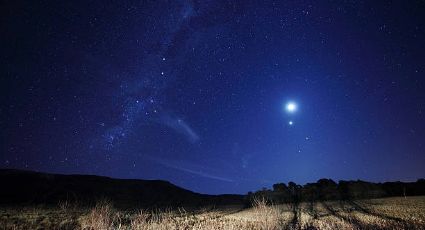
column 389, row 213
column 100, row 217
column 39, row 218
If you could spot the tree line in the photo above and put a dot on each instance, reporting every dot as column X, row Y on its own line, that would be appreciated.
column 327, row 189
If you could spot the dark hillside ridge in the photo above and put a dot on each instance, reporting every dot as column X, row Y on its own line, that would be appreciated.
column 25, row 187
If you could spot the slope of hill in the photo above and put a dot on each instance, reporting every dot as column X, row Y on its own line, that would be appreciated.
column 26, row 187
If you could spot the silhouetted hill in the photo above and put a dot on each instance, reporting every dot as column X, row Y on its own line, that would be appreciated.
column 26, row 187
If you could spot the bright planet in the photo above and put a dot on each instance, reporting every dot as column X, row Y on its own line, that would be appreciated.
column 291, row 107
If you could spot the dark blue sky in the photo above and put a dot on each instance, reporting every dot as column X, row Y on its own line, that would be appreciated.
column 194, row 91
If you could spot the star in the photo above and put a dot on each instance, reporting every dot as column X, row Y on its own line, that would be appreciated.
column 290, row 123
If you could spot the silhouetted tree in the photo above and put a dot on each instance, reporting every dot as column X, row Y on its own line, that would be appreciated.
column 280, row 193
column 343, row 190
column 327, row 189
column 280, row 187
column 294, row 194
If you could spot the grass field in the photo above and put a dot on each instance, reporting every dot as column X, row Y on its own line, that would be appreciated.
column 387, row 213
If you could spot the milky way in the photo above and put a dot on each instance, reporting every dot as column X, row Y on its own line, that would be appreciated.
column 197, row 92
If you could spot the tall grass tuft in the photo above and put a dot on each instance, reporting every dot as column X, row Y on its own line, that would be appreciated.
column 267, row 216
column 100, row 217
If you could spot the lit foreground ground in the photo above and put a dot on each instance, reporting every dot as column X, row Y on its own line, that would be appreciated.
column 389, row 213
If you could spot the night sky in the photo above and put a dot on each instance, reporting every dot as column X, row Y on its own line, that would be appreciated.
column 214, row 96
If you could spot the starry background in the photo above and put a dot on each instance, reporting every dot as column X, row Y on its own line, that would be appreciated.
column 193, row 92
